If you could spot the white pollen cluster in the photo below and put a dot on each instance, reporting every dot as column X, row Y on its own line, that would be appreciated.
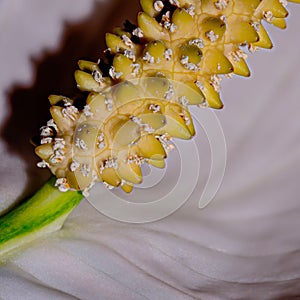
column 158, row 6
column 221, row 4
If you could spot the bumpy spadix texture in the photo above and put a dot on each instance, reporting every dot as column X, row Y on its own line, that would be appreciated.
column 140, row 91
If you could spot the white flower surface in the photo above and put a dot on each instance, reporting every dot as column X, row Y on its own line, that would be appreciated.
column 244, row 245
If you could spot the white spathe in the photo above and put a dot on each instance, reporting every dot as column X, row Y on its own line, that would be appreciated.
column 244, row 245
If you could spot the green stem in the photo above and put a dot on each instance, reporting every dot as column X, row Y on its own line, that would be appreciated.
column 41, row 214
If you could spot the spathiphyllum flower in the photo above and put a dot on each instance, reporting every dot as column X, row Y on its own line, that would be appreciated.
column 157, row 78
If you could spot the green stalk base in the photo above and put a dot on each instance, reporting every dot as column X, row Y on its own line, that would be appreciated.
column 43, row 213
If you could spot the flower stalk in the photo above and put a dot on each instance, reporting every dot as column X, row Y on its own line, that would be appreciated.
column 41, row 214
